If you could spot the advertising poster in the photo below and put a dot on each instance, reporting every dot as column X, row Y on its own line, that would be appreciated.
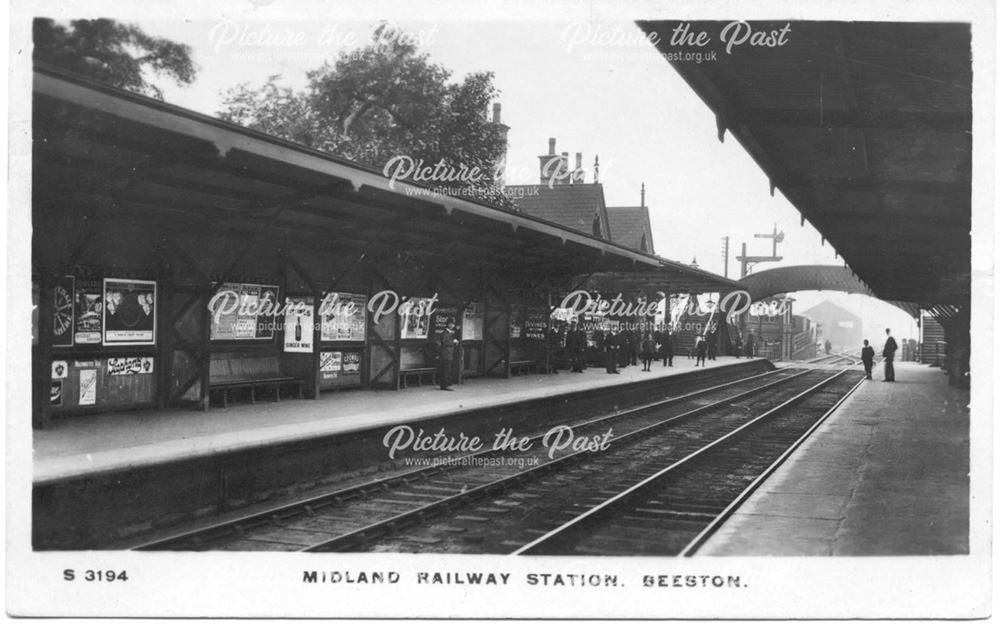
column 299, row 325
column 516, row 320
column 536, row 324
column 244, row 312
column 337, row 364
column 330, row 364
column 56, row 393
column 130, row 366
column 415, row 318
column 439, row 320
column 60, row 369
column 62, row 312
column 351, row 363
column 89, row 312
column 129, row 312
column 472, row 324
column 88, row 386
column 342, row 317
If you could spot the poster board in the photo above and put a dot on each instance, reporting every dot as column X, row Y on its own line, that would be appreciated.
column 129, row 312
column 472, row 322
column 244, row 312
column 536, row 324
column 342, row 317
column 416, row 318
column 62, row 311
column 89, row 314
column 440, row 319
column 299, row 324
column 516, row 320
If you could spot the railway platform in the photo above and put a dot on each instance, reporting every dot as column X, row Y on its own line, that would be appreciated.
column 79, row 446
column 886, row 474
column 104, row 478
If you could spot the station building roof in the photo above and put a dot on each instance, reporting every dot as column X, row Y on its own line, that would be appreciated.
column 630, row 226
column 576, row 206
column 136, row 157
column 866, row 128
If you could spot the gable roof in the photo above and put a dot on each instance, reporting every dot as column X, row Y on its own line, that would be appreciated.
column 829, row 308
column 630, row 226
column 568, row 205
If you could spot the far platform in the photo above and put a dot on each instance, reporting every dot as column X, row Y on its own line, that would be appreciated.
column 886, row 474
column 84, row 445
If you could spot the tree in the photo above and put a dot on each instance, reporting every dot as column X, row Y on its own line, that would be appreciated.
column 382, row 102
column 115, row 53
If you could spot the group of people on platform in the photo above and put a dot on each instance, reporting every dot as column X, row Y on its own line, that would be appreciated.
column 570, row 346
column 888, row 355
column 619, row 348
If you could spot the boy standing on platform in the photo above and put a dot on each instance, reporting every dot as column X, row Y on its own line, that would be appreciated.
column 868, row 359
column 700, row 350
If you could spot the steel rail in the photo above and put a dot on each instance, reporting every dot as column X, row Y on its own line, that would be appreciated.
column 669, row 470
column 382, row 527
column 310, row 504
column 700, row 539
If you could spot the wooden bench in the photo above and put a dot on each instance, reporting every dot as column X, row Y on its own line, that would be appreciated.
column 249, row 372
column 413, row 366
column 518, row 366
column 408, row 374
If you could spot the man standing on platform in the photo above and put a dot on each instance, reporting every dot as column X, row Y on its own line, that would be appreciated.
column 748, row 345
column 667, row 348
column 700, row 349
column 888, row 352
column 712, row 339
column 576, row 345
column 611, row 346
column 447, row 341
column 868, row 359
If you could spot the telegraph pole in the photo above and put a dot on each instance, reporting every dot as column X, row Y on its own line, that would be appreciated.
column 725, row 256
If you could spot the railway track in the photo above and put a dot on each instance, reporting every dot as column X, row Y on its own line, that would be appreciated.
column 422, row 508
column 458, row 470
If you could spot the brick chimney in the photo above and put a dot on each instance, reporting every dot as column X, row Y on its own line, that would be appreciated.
column 578, row 173
column 553, row 167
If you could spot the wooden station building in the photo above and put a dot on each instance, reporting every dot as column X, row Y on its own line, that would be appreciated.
column 150, row 222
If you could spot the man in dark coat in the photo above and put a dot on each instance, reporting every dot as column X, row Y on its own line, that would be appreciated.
column 713, row 344
column 576, row 345
column 612, row 344
column 700, row 350
column 447, row 344
column 889, row 352
column 667, row 348
column 868, row 359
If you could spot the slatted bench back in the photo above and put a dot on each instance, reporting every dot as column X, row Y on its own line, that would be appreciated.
column 413, row 357
column 237, row 367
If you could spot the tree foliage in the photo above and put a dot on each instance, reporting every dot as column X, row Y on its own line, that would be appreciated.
column 115, row 53
column 379, row 102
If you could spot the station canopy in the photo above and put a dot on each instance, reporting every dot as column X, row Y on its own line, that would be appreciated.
column 126, row 156
column 866, row 128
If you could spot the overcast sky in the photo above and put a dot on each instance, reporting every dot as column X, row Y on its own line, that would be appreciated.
column 597, row 87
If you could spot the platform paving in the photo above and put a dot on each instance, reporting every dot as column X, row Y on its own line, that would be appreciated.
column 121, row 440
column 886, row 474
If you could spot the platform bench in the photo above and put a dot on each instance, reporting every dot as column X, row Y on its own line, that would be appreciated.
column 408, row 374
column 250, row 372
column 519, row 366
